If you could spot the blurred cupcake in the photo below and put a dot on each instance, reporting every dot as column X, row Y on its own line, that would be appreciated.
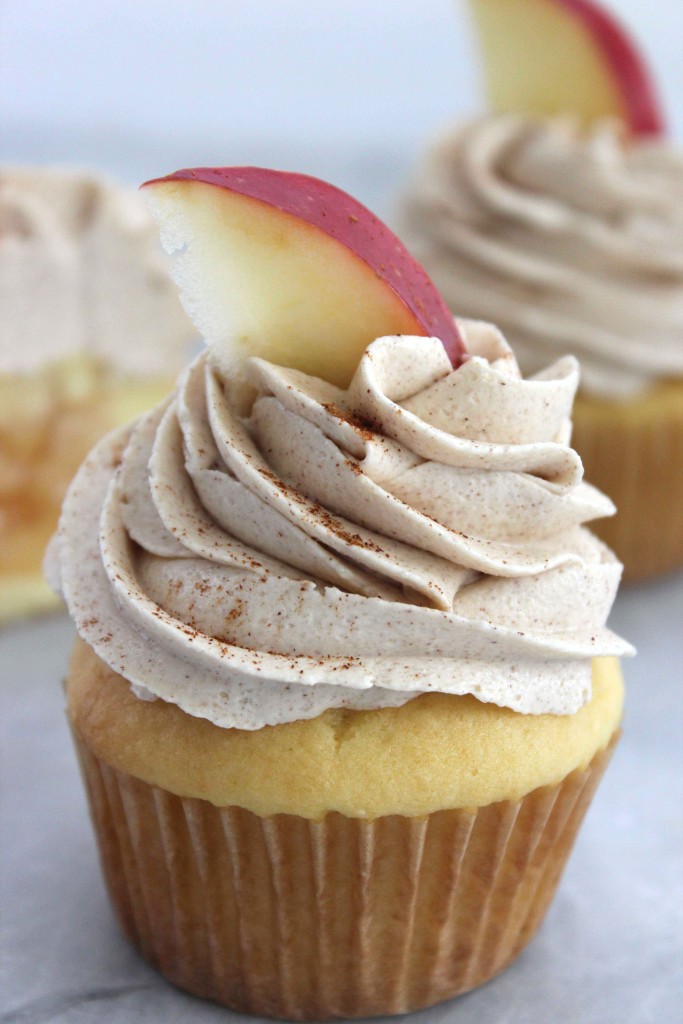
column 566, row 232
column 343, row 688
column 91, row 333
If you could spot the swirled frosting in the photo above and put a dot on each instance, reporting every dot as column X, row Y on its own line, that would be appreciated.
column 82, row 271
column 256, row 551
column 570, row 242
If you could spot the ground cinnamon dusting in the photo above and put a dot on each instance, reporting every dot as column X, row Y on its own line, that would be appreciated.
column 362, row 427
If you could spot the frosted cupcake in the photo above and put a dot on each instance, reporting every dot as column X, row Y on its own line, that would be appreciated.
column 343, row 688
column 566, row 231
column 92, row 334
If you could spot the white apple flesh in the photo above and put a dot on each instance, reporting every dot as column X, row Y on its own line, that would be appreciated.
column 291, row 269
column 554, row 57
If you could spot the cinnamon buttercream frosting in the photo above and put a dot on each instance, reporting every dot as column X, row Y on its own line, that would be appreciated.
column 570, row 242
column 82, row 271
column 258, row 550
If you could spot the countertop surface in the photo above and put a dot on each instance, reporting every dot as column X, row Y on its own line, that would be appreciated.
column 609, row 952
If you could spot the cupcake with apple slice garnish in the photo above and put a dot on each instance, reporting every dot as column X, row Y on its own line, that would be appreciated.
column 343, row 688
column 560, row 216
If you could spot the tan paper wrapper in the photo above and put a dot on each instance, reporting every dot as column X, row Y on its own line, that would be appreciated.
column 286, row 917
column 638, row 461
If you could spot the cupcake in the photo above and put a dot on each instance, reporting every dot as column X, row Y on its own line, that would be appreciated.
column 92, row 334
column 559, row 216
column 343, row 687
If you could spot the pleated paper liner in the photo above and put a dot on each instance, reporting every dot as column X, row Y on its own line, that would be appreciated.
column 305, row 920
column 633, row 451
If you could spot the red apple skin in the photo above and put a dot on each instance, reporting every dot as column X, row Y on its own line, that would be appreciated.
column 344, row 219
column 643, row 109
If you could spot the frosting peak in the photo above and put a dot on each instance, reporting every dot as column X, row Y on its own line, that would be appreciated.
column 257, row 550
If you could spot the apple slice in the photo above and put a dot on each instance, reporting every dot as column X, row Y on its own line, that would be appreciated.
column 548, row 57
column 289, row 268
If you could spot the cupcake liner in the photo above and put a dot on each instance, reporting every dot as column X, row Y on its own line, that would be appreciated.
column 636, row 457
column 309, row 920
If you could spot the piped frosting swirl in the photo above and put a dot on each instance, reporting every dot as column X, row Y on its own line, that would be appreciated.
column 570, row 242
column 259, row 550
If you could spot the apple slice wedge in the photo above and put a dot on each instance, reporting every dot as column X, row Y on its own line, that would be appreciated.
column 547, row 57
column 289, row 268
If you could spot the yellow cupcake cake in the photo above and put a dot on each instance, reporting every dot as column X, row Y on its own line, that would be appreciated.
column 343, row 688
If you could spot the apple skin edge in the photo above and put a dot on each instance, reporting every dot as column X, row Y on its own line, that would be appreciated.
column 644, row 111
column 348, row 222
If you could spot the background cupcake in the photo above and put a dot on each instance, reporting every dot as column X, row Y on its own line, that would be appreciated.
column 567, row 229
column 91, row 333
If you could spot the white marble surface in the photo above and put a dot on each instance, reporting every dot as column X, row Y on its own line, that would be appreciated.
column 609, row 952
